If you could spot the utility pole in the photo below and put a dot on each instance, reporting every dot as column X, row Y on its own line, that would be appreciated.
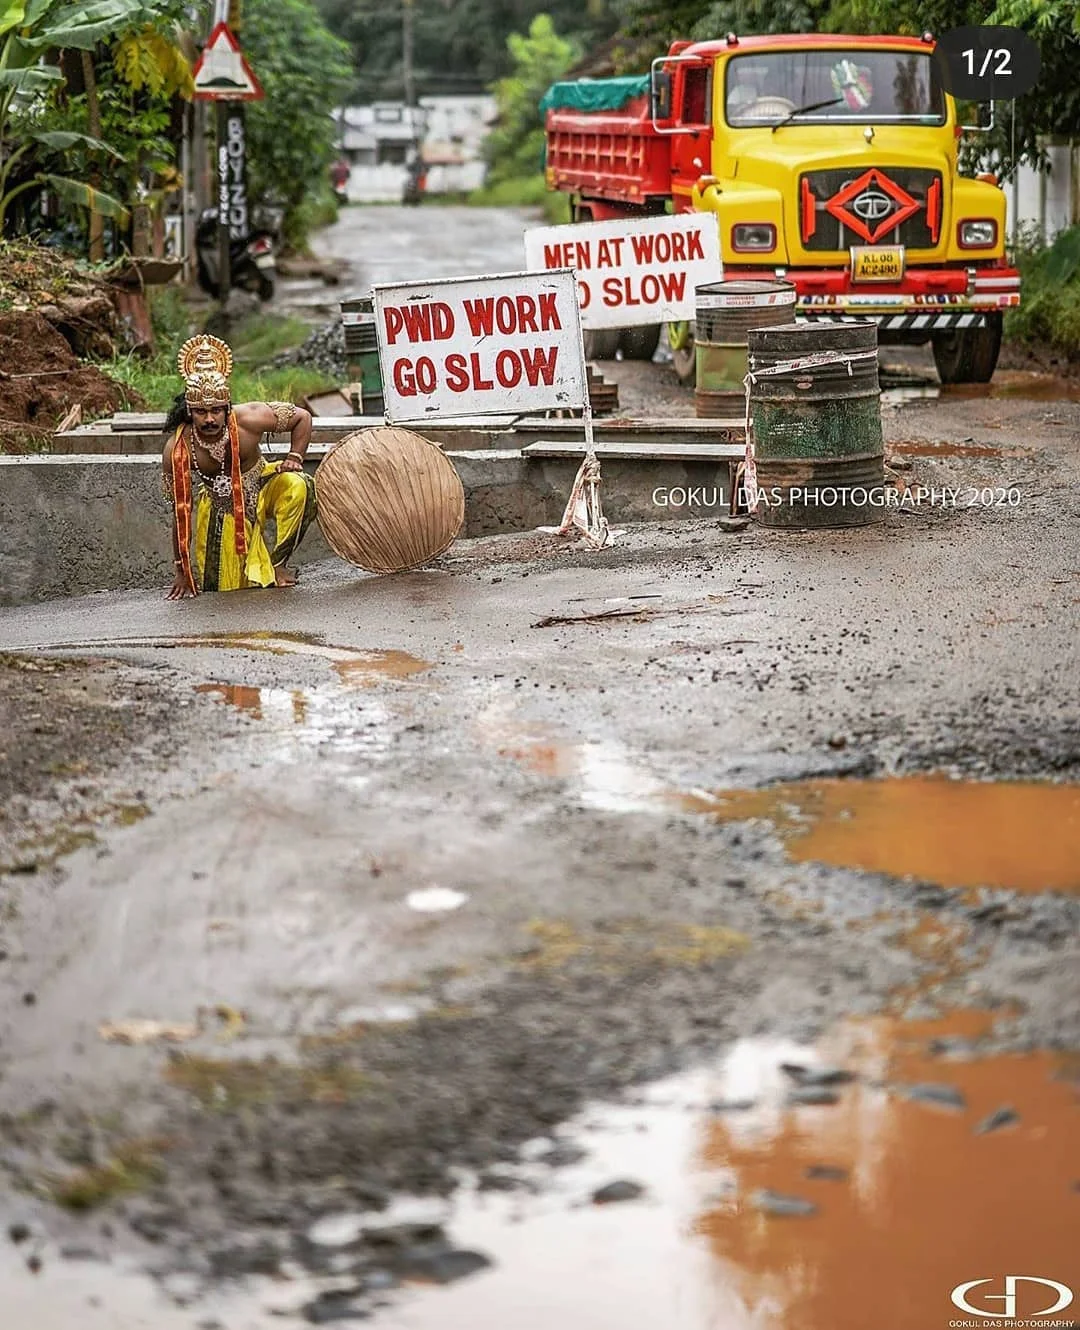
column 407, row 51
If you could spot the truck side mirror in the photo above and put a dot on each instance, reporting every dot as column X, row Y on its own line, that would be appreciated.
column 660, row 95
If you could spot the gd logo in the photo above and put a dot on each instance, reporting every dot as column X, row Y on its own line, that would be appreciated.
column 1008, row 1298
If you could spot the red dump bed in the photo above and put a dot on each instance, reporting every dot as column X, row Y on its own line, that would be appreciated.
column 613, row 155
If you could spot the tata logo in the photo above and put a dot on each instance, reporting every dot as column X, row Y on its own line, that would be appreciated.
column 872, row 205
column 1007, row 1299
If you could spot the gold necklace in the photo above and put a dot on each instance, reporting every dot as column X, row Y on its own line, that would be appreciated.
column 215, row 448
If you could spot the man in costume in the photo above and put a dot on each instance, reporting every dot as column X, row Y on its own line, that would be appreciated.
column 222, row 491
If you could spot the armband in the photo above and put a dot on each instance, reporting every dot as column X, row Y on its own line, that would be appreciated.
column 284, row 416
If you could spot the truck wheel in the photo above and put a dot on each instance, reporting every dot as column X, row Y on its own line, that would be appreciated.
column 968, row 355
column 601, row 343
column 640, row 343
column 684, row 360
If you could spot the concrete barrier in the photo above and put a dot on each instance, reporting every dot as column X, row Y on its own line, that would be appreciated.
column 76, row 524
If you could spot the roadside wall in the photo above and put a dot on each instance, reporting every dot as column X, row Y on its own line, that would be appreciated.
column 70, row 525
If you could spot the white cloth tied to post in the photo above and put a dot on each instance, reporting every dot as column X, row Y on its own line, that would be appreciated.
column 583, row 509
column 813, row 361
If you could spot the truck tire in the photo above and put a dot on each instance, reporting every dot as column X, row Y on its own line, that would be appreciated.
column 601, row 343
column 640, row 343
column 968, row 355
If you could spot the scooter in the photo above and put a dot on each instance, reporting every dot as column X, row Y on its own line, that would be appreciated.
column 415, row 184
column 252, row 266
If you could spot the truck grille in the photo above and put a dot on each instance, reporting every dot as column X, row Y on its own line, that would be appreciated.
column 881, row 205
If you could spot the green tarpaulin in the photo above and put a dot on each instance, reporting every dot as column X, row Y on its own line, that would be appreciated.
column 594, row 94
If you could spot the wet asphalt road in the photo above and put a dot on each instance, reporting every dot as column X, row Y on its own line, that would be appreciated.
column 385, row 803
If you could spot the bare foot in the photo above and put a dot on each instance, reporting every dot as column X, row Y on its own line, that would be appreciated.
column 284, row 576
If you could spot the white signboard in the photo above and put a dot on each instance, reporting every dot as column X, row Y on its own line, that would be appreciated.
column 476, row 346
column 632, row 271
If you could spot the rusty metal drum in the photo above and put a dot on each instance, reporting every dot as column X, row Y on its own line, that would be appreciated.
column 818, row 449
column 724, row 314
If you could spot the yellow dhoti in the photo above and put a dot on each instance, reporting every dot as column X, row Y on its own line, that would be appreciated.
column 285, row 497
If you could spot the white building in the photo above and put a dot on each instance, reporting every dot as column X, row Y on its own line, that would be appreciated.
column 379, row 139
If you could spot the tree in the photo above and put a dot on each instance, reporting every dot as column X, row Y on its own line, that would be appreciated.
column 58, row 113
column 305, row 72
column 459, row 45
column 515, row 147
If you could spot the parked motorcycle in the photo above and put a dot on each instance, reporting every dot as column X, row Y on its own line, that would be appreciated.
column 415, row 184
column 252, row 266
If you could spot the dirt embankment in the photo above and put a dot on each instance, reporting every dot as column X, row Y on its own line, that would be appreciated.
column 54, row 319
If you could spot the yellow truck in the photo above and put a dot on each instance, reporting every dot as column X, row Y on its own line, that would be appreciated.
column 830, row 161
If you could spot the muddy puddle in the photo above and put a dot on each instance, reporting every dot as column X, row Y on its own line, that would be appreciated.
column 761, row 1212
column 1015, row 835
column 601, row 773
column 923, row 448
column 1026, row 385
column 853, row 1183
column 352, row 665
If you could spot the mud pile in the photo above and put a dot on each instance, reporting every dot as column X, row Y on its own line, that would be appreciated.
column 41, row 379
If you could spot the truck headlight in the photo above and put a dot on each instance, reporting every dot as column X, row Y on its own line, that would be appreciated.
column 977, row 235
column 755, row 236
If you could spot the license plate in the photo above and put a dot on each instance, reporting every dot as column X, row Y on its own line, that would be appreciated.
column 877, row 263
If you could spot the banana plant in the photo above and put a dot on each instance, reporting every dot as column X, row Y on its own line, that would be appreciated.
column 30, row 29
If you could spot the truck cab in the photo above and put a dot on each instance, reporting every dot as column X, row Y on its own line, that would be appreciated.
column 831, row 161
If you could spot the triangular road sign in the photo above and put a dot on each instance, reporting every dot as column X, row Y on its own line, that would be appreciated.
column 222, row 74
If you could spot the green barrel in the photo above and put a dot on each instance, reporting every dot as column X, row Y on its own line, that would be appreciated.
column 818, row 450
column 362, row 353
column 724, row 314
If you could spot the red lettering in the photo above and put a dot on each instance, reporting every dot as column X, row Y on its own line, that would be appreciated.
column 394, row 323
column 549, row 315
column 508, row 369
column 631, row 299
column 526, row 313
column 478, row 379
column 696, row 249
column 584, row 295
column 457, row 377
column 417, row 322
column 678, row 247
column 674, row 284
column 426, row 378
column 404, row 381
column 480, row 314
column 584, row 255
column 663, row 248
column 612, row 292
column 540, row 364
column 553, row 256
column 505, row 315
column 650, row 289
column 603, row 255
column 442, row 321
column 643, row 248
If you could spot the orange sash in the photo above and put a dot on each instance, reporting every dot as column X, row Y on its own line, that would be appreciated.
column 181, row 478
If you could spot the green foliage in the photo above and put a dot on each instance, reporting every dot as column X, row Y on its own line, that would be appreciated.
column 255, row 341
column 527, row 192
column 305, row 72
column 459, row 45
column 515, row 147
column 59, row 140
column 1049, row 313
column 317, row 208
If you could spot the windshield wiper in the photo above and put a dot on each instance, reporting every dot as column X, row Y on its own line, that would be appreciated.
column 805, row 110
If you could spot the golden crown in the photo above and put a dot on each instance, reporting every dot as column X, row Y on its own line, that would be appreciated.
column 205, row 363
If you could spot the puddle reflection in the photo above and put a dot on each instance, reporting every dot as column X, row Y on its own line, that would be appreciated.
column 1022, row 836
column 909, row 1199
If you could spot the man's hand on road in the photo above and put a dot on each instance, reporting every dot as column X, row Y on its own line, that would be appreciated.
column 180, row 589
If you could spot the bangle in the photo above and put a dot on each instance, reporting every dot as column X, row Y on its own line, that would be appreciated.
column 299, row 456
column 178, row 563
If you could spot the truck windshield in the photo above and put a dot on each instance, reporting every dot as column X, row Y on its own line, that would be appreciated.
column 848, row 86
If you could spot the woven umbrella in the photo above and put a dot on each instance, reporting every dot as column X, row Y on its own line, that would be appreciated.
column 388, row 500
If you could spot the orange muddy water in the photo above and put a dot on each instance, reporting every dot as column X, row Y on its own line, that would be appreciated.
column 1023, row 836
column 911, row 1198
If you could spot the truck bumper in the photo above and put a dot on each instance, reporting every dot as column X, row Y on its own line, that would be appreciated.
column 927, row 300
